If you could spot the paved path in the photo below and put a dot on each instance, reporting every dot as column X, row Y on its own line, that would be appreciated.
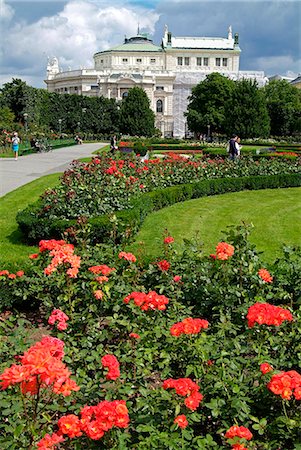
column 14, row 174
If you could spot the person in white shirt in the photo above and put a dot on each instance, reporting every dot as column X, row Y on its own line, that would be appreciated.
column 15, row 144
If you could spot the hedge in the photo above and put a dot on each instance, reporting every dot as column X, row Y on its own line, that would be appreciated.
column 124, row 224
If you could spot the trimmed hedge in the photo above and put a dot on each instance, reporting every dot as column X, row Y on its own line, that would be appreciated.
column 124, row 224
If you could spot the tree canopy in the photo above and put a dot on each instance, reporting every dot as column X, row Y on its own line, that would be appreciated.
column 136, row 116
column 284, row 106
column 246, row 111
column 207, row 103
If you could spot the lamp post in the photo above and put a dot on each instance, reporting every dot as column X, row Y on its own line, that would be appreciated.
column 78, row 126
column 208, row 132
column 60, row 125
column 25, row 115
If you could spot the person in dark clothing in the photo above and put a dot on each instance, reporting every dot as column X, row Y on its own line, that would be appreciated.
column 113, row 143
column 232, row 148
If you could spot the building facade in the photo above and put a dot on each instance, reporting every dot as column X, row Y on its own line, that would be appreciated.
column 167, row 73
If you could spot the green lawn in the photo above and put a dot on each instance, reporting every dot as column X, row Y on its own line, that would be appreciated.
column 14, row 253
column 275, row 214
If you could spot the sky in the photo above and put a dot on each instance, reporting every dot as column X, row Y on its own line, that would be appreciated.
column 73, row 30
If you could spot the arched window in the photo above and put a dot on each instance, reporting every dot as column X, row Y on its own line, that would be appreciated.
column 125, row 94
column 159, row 106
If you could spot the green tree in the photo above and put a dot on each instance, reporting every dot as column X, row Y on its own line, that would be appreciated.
column 207, row 104
column 136, row 116
column 246, row 111
column 284, row 107
column 7, row 118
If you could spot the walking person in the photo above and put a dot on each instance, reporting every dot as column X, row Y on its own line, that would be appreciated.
column 113, row 143
column 238, row 146
column 232, row 149
column 15, row 144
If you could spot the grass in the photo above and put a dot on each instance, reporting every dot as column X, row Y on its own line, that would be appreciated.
column 275, row 215
column 13, row 252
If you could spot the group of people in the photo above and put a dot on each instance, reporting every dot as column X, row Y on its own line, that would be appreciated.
column 234, row 147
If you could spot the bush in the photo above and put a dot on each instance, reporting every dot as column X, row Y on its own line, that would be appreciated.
column 112, row 304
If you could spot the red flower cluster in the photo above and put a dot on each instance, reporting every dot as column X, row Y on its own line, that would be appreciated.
column 168, row 240
column 127, row 256
column 58, row 316
column 177, row 278
column 98, row 294
column 96, row 420
column 12, row 276
column 70, row 426
column 164, row 265
column 49, row 442
column 241, row 432
column 34, row 256
column 188, row 326
column 266, row 314
column 265, row 275
column 61, row 253
column 111, row 362
column 265, row 368
column 286, row 384
column 152, row 300
column 103, row 269
column 224, row 251
column 41, row 366
column 181, row 421
column 134, row 336
column 185, row 387
column 238, row 447
column 51, row 244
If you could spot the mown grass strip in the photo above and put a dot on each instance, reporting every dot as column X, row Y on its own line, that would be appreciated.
column 275, row 214
column 13, row 252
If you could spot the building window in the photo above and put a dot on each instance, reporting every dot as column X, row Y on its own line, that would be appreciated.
column 101, row 61
column 66, row 89
column 159, row 106
column 75, row 88
column 159, row 88
column 153, row 60
column 125, row 94
column 225, row 62
column 139, row 60
column 217, row 61
column 206, row 61
column 186, row 60
column 124, row 60
column 180, row 61
column 199, row 61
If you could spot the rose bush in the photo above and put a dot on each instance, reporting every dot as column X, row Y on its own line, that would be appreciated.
column 163, row 358
column 106, row 185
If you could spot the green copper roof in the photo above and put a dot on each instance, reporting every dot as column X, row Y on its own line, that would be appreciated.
column 138, row 43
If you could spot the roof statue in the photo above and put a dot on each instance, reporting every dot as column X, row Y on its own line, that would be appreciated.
column 230, row 32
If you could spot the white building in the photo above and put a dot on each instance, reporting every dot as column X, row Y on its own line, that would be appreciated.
column 167, row 73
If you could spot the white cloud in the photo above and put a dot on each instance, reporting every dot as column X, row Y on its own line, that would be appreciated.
column 273, row 65
column 73, row 35
column 6, row 11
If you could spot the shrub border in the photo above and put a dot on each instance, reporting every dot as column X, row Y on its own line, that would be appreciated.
column 123, row 225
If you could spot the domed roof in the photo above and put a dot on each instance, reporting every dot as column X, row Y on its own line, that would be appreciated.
column 139, row 43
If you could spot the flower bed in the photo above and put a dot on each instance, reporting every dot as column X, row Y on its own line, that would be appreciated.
column 118, row 194
column 196, row 349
